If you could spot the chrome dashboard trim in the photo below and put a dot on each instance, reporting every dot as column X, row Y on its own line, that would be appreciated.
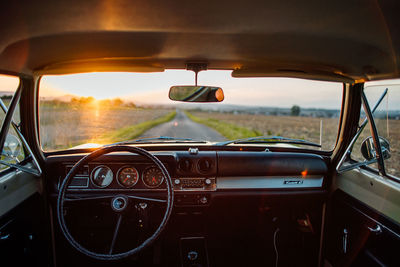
column 269, row 182
column 114, row 189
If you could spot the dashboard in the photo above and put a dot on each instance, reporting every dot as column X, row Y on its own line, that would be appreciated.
column 216, row 193
column 194, row 173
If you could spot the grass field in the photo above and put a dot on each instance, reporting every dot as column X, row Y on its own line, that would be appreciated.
column 133, row 131
column 229, row 130
column 64, row 127
column 288, row 126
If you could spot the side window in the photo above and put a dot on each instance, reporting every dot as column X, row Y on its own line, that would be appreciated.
column 387, row 121
column 12, row 152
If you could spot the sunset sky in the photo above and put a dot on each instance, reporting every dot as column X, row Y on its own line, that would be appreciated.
column 152, row 88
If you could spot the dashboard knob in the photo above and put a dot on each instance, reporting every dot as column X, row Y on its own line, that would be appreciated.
column 203, row 200
column 193, row 255
column 207, row 181
column 177, row 181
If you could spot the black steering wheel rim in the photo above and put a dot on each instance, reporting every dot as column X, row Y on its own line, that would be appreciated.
column 95, row 154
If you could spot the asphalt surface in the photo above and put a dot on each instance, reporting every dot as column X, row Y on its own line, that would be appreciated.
column 181, row 126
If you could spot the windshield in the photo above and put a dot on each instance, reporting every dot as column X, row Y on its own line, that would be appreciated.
column 93, row 109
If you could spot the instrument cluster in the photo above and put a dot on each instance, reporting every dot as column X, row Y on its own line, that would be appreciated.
column 118, row 176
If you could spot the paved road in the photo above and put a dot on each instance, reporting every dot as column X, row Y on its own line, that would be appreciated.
column 182, row 126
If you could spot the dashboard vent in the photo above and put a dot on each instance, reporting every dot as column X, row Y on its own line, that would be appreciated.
column 185, row 165
column 204, row 165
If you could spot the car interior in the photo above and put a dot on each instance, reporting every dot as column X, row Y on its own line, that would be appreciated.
column 79, row 188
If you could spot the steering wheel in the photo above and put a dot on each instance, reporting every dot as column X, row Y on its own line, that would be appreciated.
column 118, row 202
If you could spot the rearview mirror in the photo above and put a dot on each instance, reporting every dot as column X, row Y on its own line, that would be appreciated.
column 190, row 93
column 368, row 149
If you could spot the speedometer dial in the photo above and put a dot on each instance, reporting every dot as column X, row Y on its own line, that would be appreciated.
column 152, row 177
column 128, row 176
column 102, row 176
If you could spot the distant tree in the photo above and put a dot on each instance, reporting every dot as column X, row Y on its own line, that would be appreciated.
column 117, row 102
column 75, row 100
column 295, row 110
column 130, row 105
column 6, row 97
column 82, row 100
column 87, row 100
column 105, row 102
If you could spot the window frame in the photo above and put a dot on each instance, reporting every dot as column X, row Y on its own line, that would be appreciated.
column 4, row 131
column 346, row 157
column 335, row 145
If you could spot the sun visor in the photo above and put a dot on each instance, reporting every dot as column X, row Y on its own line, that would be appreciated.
column 317, row 75
column 99, row 65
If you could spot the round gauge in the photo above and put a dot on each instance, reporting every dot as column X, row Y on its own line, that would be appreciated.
column 128, row 176
column 101, row 176
column 152, row 177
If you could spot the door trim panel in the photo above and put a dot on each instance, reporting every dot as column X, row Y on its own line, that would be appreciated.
column 375, row 191
column 365, row 247
column 15, row 187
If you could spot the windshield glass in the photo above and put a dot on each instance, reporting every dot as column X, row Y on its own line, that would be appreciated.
column 92, row 109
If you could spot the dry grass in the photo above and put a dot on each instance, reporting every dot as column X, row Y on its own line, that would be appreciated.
column 288, row 126
column 135, row 130
column 64, row 126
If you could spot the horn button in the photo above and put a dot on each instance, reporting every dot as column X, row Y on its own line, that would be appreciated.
column 119, row 203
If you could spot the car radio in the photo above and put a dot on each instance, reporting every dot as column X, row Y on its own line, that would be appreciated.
column 195, row 184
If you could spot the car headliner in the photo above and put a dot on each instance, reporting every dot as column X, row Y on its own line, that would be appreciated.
column 343, row 40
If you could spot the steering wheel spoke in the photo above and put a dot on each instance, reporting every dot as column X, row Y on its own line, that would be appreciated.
column 115, row 235
column 147, row 199
column 75, row 198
